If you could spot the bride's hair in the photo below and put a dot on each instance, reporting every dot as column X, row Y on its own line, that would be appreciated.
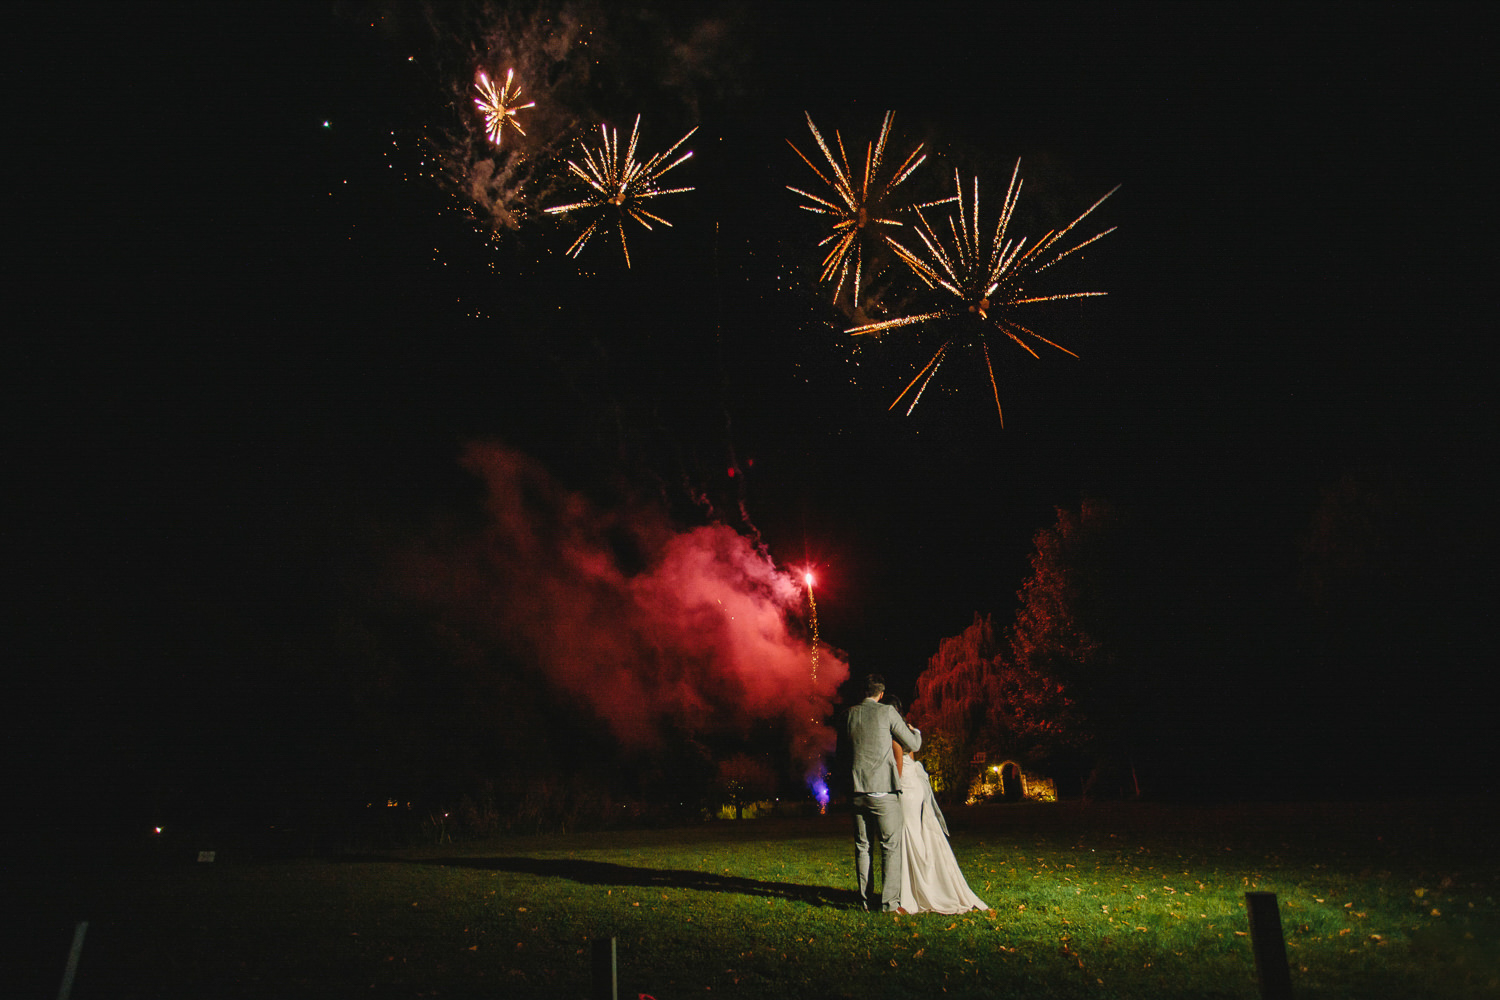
column 895, row 703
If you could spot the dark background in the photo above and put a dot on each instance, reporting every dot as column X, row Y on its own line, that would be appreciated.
column 246, row 349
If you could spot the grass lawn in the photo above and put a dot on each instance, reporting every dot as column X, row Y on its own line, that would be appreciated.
column 1099, row 901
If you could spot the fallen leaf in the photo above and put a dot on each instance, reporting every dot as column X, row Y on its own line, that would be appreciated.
column 1242, row 933
column 919, row 953
column 1436, row 912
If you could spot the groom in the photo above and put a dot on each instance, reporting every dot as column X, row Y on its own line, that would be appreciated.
column 876, row 790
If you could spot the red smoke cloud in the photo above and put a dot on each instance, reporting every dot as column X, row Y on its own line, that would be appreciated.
column 643, row 623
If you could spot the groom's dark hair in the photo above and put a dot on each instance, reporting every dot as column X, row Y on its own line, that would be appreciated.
column 874, row 684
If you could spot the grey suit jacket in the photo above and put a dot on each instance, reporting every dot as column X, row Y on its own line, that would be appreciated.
column 871, row 727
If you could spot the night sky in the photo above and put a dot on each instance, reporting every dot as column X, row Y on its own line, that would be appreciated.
column 252, row 335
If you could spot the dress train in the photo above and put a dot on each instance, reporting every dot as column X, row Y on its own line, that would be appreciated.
column 931, row 881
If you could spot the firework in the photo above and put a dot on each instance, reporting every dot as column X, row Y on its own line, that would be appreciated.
column 498, row 105
column 813, row 603
column 983, row 282
column 617, row 188
column 861, row 208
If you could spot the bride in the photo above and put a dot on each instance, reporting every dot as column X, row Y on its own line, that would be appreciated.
column 931, row 881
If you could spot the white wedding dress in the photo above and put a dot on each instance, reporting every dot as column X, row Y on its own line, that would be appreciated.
column 930, row 878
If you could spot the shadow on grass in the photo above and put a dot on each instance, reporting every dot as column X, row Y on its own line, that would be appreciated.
column 607, row 873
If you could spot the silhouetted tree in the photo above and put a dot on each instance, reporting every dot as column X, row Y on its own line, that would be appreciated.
column 952, row 703
column 946, row 764
column 1049, row 690
column 1060, row 666
column 1399, row 582
column 1362, row 538
column 745, row 779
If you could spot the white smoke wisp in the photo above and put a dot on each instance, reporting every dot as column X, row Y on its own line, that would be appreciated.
column 500, row 185
column 568, row 58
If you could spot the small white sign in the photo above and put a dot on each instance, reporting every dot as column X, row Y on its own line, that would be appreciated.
column 205, row 856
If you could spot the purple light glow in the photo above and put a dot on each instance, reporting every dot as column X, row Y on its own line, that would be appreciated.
column 816, row 781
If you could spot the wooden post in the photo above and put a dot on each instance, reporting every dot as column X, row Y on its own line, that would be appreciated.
column 1269, row 946
column 71, row 969
column 606, row 972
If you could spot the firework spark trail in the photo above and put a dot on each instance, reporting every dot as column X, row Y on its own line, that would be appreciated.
column 985, row 279
column 929, row 371
column 622, row 184
column 860, row 211
column 498, row 105
column 813, row 604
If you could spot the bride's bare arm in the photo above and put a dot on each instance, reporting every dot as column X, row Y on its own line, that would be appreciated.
column 900, row 753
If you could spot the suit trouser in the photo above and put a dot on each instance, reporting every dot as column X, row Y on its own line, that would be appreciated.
column 880, row 814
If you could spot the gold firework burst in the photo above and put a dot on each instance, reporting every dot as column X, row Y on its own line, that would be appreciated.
column 861, row 209
column 498, row 105
column 985, row 279
column 618, row 187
